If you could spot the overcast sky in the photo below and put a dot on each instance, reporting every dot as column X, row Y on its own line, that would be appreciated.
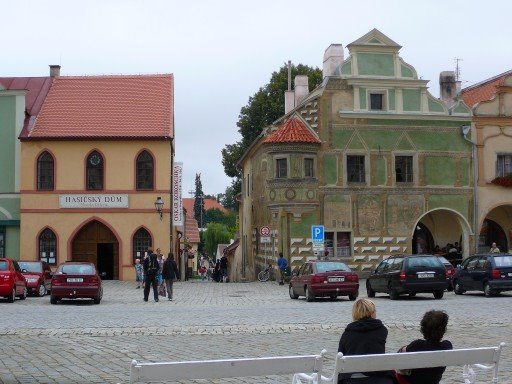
column 221, row 52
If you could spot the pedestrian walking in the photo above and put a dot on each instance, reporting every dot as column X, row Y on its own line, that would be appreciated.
column 150, row 272
column 169, row 274
column 224, row 268
column 159, row 278
column 138, row 273
column 282, row 264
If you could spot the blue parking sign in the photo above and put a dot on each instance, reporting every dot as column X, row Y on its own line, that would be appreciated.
column 317, row 233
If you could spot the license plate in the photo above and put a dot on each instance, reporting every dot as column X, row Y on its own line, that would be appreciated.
column 336, row 279
column 74, row 280
column 425, row 275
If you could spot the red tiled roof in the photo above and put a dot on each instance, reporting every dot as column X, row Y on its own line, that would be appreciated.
column 191, row 229
column 188, row 204
column 483, row 91
column 37, row 89
column 292, row 131
column 119, row 107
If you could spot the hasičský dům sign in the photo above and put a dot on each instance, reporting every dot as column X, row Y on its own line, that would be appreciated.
column 93, row 201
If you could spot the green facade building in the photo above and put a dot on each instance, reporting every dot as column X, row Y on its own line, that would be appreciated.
column 20, row 101
column 371, row 155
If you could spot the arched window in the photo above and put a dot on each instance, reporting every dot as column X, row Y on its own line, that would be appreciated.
column 141, row 242
column 94, row 171
column 48, row 247
column 45, row 173
column 145, row 171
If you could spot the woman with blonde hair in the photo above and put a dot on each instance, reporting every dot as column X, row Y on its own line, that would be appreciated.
column 366, row 335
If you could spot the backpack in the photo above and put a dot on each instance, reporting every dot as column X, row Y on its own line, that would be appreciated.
column 153, row 265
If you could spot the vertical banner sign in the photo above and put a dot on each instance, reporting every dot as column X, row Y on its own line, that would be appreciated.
column 177, row 201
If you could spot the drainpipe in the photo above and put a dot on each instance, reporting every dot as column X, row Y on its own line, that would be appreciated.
column 466, row 129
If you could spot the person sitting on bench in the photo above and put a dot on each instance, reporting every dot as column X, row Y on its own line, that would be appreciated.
column 433, row 328
column 366, row 335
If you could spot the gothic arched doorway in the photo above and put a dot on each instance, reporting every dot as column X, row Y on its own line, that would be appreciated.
column 96, row 243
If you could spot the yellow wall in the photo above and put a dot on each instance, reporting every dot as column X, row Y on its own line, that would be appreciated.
column 41, row 209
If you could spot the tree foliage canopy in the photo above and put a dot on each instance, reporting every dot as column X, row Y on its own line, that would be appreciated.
column 263, row 108
column 199, row 200
column 215, row 234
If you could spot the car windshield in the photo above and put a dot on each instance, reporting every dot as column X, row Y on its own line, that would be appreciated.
column 30, row 266
column 329, row 267
column 424, row 262
column 74, row 269
column 3, row 265
column 503, row 261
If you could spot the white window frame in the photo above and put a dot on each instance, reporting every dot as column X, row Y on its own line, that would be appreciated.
column 414, row 168
column 366, row 168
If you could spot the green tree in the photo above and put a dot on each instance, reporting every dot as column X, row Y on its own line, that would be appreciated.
column 215, row 234
column 263, row 108
column 199, row 201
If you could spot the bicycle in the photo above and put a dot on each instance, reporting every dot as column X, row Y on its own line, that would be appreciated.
column 266, row 273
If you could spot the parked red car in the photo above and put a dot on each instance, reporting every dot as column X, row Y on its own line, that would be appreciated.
column 12, row 281
column 450, row 272
column 76, row 280
column 38, row 275
column 324, row 278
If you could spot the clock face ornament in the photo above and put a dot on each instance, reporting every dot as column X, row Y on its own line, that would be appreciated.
column 95, row 159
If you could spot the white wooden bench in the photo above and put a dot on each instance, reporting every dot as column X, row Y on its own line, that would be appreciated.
column 483, row 358
column 218, row 369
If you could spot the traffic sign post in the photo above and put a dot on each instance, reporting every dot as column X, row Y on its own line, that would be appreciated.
column 265, row 233
column 318, row 238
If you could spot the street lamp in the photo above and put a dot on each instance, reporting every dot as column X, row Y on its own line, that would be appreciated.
column 159, row 204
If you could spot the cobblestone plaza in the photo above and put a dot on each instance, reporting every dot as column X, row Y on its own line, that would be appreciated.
column 79, row 342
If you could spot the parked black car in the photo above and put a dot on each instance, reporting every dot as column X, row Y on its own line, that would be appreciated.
column 408, row 274
column 490, row 273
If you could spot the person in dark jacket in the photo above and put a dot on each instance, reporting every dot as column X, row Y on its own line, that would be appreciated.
column 366, row 335
column 433, row 328
column 169, row 273
column 150, row 272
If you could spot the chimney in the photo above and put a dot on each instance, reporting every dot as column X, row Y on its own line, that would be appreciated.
column 301, row 88
column 449, row 87
column 333, row 58
column 54, row 70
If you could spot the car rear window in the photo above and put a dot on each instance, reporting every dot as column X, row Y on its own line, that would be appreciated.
column 30, row 266
column 425, row 262
column 327, row 267
column 3, row 266
column 77, row 269
column 503, row 261
column 443, row 260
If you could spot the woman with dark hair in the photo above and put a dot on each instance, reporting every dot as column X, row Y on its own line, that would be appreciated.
column 433, row 328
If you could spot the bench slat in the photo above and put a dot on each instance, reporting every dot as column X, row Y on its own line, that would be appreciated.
column 216, row 369
column 368, row 363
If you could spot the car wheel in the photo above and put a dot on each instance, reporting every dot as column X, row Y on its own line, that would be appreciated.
column 488, row 291
column 12, row 296
column 97, row 300
column 450, row 287
column 438, row 295
column 333, row 296
column 369, row 291
column 309, row 295
column 457, row 289
column 53, row 300
column 23, row 296
column 412, row 294
column 41, row 290
column 393, row 293
column 353, row 296
column 292, row 293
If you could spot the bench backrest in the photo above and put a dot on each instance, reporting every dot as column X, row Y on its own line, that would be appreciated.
column 218, row 369
column 409, row 360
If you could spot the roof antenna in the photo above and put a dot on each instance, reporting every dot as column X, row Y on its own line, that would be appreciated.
column 457, row 68
column 289, row 75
